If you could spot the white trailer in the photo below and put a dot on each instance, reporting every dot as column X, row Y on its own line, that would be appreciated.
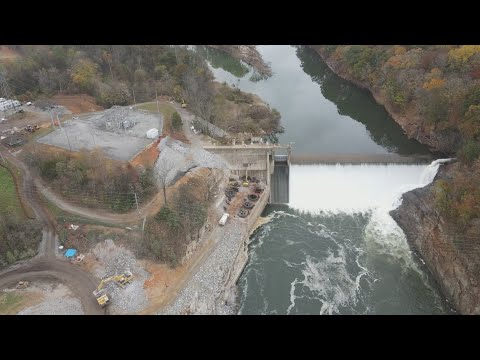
column 224, row 219
column 152, row 133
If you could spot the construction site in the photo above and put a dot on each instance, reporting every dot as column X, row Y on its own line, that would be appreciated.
column 120, row 282
column 121, row 132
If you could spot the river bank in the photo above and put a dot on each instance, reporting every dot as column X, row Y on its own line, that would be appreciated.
column 451, row 257
column 212, row 288
column 409, row 122
column 247, row 54
column 427, row 232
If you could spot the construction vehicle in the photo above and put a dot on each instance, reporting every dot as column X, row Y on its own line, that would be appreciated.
column 22, row 285
column 78, row 259
column 32, row 128
column 102, row 297
column 184, row 104
column 121, row 280
column 224, row 219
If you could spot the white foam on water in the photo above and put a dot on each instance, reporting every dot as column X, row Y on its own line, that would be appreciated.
column 385, row 232
column 292, row 296
column 350, row 189
column 330, row 281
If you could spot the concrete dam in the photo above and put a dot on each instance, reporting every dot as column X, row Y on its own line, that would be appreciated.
column 269, row 163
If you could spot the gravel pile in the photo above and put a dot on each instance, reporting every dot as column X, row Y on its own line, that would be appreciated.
column 177, row 158
column 58, row 301
column 64, row 306
column 200, row 294
column 120, row 119
column 117, row 260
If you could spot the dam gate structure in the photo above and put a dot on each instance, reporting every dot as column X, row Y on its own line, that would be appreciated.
column 269, row 163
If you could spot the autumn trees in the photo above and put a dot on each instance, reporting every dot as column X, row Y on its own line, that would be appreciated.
column 19, row 239
column 439, row 85
column 178, row 223
column 124, row 74
column 176, row 121
column 438, row 88
column 457, row 199
column 110, row 73
column 90, row 179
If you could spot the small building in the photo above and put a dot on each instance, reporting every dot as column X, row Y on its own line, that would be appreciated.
column 152, row 133
column 70, row 253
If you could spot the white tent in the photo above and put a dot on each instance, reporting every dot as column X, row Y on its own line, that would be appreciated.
column 152, row 133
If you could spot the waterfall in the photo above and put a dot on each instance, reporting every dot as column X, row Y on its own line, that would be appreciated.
column 431, row 171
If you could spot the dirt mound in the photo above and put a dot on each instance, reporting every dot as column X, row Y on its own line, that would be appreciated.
column 147, row 157
column 77, row 104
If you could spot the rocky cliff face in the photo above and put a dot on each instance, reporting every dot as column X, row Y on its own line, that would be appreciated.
column 450, row 256
column 453, row 263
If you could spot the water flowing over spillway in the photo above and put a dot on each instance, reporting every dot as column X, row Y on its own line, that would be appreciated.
column 336, row 250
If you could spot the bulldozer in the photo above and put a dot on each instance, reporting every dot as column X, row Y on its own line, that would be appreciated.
column 121, row 280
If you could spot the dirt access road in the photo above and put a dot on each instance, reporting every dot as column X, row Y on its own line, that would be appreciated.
column 133, row 217
column 46, row 265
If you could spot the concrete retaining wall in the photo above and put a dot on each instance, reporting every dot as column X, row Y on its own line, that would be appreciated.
column 241, row 258
column 210, row 129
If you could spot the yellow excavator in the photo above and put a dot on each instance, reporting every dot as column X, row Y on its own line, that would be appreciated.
column 121, row 280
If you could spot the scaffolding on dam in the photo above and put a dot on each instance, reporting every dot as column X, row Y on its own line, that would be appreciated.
column 270, row 163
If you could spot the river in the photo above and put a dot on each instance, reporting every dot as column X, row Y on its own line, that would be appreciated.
column 333, row 249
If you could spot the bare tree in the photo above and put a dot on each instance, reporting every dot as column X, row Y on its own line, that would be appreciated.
column 212, row 183
column 163, row 170
column 199, row 91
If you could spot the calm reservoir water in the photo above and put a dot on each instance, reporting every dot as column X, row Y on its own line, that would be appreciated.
column 333, row 249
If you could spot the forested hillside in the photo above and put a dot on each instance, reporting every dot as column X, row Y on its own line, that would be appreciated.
column 124, row 74
column 433, row 91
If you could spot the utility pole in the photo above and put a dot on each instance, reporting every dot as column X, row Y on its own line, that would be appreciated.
column 51, row 118
column 156, row 98
column 133, row 90
column 136, row 199
column 68, row 139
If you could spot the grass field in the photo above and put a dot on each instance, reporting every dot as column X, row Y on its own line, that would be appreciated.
column 165, row 109
column 9, row 202
column 10, row 303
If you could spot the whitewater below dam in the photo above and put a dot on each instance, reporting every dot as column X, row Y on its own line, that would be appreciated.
column 334, row 249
